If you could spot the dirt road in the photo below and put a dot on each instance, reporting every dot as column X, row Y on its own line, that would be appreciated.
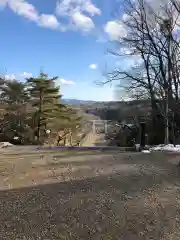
column 93, row 139
column 61, row 195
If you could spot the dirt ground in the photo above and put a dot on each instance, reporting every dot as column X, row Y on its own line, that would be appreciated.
column 88, row 195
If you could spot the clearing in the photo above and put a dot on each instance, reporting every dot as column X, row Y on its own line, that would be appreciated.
column 56, row 194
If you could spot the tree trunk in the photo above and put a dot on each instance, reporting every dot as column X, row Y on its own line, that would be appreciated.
column 39, row 120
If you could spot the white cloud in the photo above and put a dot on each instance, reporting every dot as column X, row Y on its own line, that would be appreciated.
column 115, row 30
column 9, row 76
column 17, row 76
column 125, row 17
column 49, row 21
column 82, row 22
column 23, row 8
column 91, row 9
column 126, row 51
column 76, row 10
column 26, row 74
column 27, row 10
column 66, row 7
column 66, row 82
column 93, row 66
column 128, row 63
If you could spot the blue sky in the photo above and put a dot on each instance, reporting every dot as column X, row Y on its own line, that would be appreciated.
column 66, row 38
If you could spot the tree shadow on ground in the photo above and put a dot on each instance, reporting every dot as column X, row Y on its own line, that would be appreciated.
column 112, row 206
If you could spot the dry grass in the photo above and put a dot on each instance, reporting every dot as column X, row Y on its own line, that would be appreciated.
column 53, row 195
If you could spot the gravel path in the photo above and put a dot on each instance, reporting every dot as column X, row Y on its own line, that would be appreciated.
column 96, row 196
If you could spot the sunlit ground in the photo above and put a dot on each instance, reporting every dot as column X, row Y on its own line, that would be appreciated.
column 88, row 195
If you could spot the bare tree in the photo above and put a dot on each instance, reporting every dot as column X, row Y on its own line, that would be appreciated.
column 151, row 35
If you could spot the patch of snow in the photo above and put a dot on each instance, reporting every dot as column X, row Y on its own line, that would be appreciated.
column 166, row 148
column 146, row 151
column 5, row 144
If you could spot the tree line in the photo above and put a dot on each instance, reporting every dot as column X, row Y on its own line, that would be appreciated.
column 31, row 108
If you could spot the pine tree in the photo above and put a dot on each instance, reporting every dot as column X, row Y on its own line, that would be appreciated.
column 45, row 99
column 28, row 109
column 13, row 96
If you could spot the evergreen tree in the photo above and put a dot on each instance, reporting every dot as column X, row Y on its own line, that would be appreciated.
column 45, row 100
column 13, row 96
column 28, row 109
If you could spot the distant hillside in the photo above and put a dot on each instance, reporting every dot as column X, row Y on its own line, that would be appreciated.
column 94, row 105
column 113, row 110
column 76, row 101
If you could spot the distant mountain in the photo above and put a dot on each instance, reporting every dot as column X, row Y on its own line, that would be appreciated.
column 76, row 101
column 112, row 110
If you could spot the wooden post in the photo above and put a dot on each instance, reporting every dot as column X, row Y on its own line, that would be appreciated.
column 147, row 140
column 173, row 128
column 64, row 140
column 143, row 138
column 70, row 141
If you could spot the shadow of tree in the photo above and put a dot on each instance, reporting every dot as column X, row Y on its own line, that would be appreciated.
column 111, row 206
